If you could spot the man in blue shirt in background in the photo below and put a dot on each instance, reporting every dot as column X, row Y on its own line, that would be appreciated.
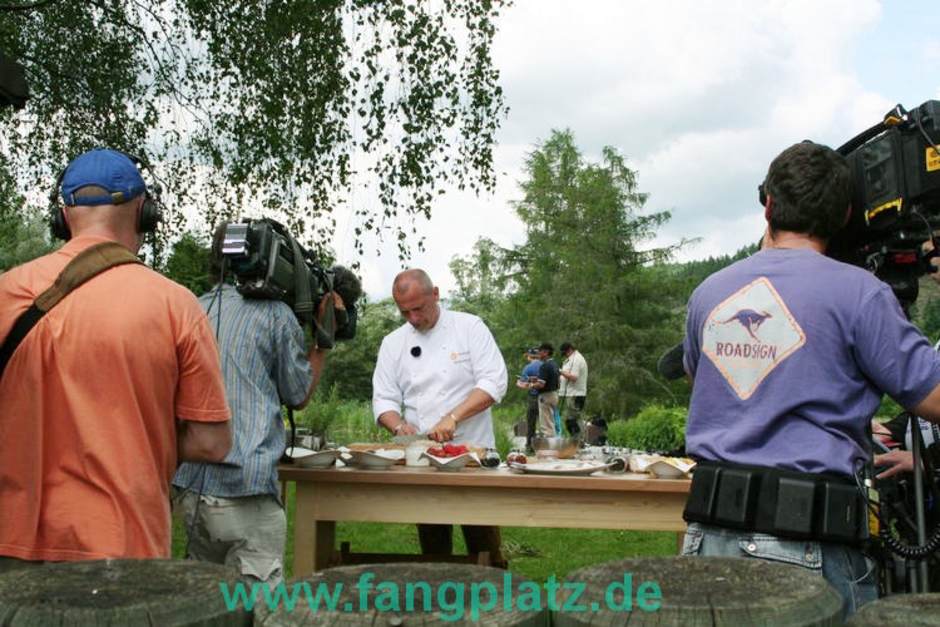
column 529, row 375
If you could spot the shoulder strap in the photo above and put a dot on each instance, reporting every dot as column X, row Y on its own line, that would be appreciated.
column 89, row 263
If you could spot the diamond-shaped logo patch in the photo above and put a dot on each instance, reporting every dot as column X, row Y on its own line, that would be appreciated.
column 750, row 334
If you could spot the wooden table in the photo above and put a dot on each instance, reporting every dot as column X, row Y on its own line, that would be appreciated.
column 473, row 496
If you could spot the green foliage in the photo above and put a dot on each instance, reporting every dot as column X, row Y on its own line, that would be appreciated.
column 344, row 421
column 694, row 272
column 24, row 233
column 888, row 408
column 582, row 275
column 188, row 264
column 279, row 105
column 656, row 428
column 349, row 366
column 928, row 318
column 504, row 417
column 324, row 409
column 23, row 237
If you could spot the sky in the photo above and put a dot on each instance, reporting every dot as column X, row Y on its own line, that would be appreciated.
column 698, row 95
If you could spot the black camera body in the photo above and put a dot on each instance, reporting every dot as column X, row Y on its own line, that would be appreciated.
column 895, row 169
column 267, row 262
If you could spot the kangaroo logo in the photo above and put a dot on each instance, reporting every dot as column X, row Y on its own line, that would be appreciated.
column 750, row 320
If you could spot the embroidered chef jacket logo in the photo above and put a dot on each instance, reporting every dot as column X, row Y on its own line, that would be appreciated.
column 750, row 334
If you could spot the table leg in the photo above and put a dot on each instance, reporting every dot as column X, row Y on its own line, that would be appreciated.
column 304, row 544
column 324, row 543
column 680, row 540
column 314, row 540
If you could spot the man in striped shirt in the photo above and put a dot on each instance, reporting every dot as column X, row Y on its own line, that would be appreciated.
column 233, row 511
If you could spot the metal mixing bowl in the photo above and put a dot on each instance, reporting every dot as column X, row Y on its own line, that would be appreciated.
column 566, row 447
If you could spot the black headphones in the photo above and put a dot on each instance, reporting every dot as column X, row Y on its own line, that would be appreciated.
column 151, row 213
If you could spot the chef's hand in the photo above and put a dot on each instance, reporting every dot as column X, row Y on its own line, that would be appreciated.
column 443, row 431
column 407, row 429
column 898, row 460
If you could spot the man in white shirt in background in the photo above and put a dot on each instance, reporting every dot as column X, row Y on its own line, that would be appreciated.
column 574, row 375
column 438, row 374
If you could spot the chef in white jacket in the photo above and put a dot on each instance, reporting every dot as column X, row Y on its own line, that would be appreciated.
column 438, row 374
column 441, row 367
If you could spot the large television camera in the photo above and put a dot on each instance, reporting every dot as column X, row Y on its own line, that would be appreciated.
column 895, row 200
column 267, row 262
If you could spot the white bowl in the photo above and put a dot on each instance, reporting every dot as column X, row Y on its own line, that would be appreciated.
column 320, row 459
column 298, row 453
column 370, row 461
column 450, row 463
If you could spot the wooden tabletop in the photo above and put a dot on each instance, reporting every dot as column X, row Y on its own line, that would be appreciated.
column 479, row 477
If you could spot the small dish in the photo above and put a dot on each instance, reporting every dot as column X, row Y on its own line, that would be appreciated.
column 669, row 468
column 640, row 462
column 451, row 464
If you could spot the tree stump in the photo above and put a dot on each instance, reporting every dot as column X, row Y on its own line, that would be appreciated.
column 692, row 591
column 378, row 594
column 118, row 592
column 909, row 610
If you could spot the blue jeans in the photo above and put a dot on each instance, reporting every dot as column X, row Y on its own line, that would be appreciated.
column 850, row 573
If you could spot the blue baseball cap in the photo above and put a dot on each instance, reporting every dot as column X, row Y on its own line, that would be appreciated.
column 108, row 169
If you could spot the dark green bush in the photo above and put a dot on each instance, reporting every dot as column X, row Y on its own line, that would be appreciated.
column 655, row 429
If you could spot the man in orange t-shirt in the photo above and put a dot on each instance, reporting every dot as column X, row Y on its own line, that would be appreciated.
column 109, row 391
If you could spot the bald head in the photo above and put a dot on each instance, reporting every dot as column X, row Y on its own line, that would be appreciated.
column 417, row 299
column 115, row 222
column 414, row 278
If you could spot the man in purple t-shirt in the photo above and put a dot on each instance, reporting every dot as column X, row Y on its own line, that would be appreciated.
column 790, row 352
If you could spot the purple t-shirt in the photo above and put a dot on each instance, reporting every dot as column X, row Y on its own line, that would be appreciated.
column 790, row 352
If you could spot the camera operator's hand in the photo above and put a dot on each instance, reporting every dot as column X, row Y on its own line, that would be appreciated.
column 330, row 301
column 898, row 460
column 933, row 259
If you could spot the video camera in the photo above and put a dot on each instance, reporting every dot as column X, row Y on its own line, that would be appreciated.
column 268, row 262
column 895, row 169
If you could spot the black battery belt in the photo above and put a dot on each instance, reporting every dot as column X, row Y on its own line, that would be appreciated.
column 783, row 503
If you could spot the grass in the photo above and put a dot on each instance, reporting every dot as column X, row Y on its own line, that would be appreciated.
column 536, row 553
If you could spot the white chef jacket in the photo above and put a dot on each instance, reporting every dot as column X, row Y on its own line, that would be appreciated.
column 576, row 365
column 456, row 355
